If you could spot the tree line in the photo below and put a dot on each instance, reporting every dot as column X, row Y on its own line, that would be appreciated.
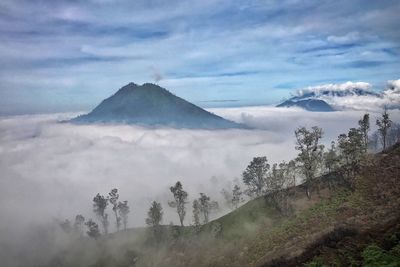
column 202, row 208
column 344, row 157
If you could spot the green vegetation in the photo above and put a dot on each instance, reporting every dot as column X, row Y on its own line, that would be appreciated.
column 374, row 256
column 368, row 254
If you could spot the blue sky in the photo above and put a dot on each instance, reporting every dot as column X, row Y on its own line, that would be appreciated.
column 59, row 55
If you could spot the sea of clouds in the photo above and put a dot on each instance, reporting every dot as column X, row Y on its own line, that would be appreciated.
column 52, row 170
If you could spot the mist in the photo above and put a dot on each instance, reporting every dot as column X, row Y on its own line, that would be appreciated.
column 52, row 170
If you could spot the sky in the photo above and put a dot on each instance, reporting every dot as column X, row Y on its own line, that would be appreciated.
column 59, row 55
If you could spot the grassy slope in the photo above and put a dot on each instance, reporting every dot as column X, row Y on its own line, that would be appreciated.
column 277, row 241
column 257, row 235
column 374, row 211
column 337, row 231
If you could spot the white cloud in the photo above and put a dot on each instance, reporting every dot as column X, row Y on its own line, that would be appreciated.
column 66, row 165
column 392, row 91
column 348, row 38
column 332, row 87
column 356, row 95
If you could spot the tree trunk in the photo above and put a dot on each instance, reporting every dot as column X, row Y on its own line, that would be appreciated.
column 308, row 192
column 384, row 142
column 117, row 220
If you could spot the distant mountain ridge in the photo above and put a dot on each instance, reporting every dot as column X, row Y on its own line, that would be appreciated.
column 152, row 105
column 323, row 100
column 308, row 104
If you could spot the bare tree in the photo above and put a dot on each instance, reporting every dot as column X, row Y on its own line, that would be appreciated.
column 310, row 153
column 99, row 207
column 383, row 126
column 255, row 176
column 179, row 202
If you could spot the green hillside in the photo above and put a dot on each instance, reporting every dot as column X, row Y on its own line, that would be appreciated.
column 331, row 227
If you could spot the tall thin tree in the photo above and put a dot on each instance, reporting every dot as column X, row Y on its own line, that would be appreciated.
column 113, row 197
column 310, row 153
column 154, row 218
column 364, row 129
column 123, row 210
column 99, row 207
column 206, row 206
column 352, row 155
column 236, row 196
column 383, row 126
column 179, row 201
column 196, row 212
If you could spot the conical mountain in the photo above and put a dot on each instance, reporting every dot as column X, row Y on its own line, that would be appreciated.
column 150, row 104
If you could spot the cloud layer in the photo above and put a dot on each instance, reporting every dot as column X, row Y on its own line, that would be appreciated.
column 52, row 169
column 355, row 95
column 347, row 87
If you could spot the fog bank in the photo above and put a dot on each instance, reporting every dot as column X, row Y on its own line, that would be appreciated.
column 53, row 170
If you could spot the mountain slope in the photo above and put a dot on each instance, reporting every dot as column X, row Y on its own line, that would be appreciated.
column 308, row 104
column 150, row 104
column 336, row 226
